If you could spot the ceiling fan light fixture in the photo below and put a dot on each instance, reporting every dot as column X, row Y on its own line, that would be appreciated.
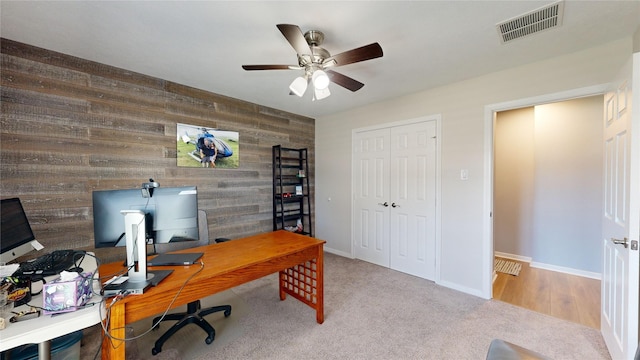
column 298, row 86
column 320, row 80
column 320, row 94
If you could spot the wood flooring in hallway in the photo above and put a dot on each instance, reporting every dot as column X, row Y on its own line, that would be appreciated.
column 569, row 297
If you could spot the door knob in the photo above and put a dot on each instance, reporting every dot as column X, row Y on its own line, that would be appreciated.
column 624, row 242
column 395, row 205
column 385, row 204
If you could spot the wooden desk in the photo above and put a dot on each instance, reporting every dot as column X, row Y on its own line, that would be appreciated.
column 298, row 258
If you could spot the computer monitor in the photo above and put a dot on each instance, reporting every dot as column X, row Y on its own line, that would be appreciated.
column 16, row 236
column 171, row 215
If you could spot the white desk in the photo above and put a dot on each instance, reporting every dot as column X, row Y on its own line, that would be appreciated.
column 46, row 327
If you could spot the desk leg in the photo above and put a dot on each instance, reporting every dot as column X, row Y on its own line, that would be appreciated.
column 282, row 284
column 113, row 349
column 305, row 282
column 320, row 286
column 44, row 350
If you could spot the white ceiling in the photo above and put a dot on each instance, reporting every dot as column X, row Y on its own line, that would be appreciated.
column 204, row 43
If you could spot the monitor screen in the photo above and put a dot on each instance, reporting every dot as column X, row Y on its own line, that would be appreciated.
column 171, row 215
column 15, row 231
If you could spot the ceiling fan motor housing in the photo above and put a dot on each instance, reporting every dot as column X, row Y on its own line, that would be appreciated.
column 314, row 37
column 318, row 54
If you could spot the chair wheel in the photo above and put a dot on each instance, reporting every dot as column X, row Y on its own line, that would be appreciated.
column 155, row 351
column 209, row 340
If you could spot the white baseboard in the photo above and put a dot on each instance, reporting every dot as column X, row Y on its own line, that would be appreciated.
column 562, row 269
column 463, row 289
column 338, row 252
column 512, row 257
column 566, row 270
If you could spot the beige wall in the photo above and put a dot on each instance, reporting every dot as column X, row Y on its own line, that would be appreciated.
column 462, row 106
column 514, row 173
column 568, row 185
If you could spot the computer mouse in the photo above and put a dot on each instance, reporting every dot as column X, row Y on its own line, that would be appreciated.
column 76, row 269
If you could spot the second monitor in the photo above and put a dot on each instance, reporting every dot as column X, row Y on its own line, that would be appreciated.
column 171, row 215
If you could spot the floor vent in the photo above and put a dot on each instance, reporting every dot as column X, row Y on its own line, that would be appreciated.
column 546, row 17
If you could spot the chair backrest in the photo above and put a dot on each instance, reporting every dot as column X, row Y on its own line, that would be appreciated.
column 203, row 228
column 203, row 234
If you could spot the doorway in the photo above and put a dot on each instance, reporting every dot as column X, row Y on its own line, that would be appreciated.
column 548, row 185
column 546, row 220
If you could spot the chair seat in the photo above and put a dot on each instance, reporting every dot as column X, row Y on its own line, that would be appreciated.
column 503, row 350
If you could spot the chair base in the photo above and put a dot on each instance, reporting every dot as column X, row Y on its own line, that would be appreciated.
column 192, row 316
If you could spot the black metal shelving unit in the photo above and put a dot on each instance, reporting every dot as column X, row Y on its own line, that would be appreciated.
column 291, row 200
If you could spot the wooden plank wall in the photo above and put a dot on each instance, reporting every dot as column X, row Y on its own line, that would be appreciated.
column 71, row 126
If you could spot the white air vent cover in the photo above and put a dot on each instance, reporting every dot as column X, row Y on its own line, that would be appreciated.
column 546, row 17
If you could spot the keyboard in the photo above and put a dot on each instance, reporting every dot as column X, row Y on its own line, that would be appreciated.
column 50, row 264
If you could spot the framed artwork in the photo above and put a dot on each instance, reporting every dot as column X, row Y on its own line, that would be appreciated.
column 198, row 146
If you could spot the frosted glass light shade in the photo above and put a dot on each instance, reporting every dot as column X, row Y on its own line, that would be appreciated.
column 321, row 93
column 298, row 86
column 320, row 79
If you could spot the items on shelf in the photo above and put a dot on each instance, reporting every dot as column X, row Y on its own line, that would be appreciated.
column 297, row 229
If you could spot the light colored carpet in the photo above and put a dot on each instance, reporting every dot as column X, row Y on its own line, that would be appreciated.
column 370, row 313
column 507, row 266
column 188, row 343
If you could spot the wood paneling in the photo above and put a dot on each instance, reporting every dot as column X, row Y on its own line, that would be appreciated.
column 70, row 126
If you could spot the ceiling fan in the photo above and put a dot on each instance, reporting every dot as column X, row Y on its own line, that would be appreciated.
column 316, row 62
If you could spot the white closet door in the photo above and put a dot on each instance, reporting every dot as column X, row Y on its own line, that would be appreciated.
column 371, row 193
column 394, row 187
column 412, row 196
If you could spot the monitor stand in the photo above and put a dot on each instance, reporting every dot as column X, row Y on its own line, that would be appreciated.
column 134, row 221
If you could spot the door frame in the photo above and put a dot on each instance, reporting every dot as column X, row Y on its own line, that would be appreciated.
column 490, row 112
column 438, row 228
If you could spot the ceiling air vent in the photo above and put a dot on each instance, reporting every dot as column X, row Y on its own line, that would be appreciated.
column 544, row 18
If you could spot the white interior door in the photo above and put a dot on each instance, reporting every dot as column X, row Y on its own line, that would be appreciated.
column 412, row 196
column 371, row 196
column 394, row 189
column 621, row 216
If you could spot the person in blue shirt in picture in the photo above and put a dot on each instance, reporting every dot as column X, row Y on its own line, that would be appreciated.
column 208, row 153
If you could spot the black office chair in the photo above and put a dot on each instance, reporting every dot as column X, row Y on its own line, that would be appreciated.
column 194, row 314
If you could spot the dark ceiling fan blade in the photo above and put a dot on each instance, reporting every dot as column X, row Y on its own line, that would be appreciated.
column 268, row 67
column 363, row 53
column 344, row 81
column 294, row 36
